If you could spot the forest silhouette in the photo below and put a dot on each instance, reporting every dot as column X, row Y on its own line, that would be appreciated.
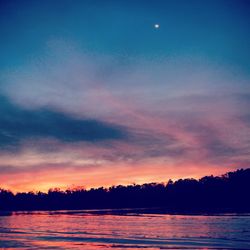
column 227, row 193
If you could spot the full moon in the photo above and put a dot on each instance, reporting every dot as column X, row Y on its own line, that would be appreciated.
column 157, row 26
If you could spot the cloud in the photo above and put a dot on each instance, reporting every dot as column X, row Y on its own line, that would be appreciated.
column 17, row 124
column 72, row 109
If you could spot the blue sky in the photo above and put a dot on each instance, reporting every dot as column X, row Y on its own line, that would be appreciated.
column 92, row 89
column 215, row 30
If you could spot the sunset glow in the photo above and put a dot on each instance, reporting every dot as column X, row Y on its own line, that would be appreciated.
column 92, row 95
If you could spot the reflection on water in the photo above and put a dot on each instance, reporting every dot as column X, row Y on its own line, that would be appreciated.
column 83, row 230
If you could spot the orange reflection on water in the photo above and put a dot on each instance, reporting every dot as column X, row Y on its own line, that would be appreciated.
column 82, row 230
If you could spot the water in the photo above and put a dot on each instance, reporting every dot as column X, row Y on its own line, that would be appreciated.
column 84, row 230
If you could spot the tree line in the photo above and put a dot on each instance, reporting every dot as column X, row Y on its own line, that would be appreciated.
column 227, row 193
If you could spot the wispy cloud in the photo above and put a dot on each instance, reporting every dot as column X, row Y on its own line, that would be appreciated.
column 123, row 112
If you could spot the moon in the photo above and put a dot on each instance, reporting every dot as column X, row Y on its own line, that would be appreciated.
column 157, row 26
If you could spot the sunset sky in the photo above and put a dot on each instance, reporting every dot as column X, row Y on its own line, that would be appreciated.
column 94, row 93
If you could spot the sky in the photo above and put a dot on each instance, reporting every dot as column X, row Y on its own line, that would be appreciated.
column 93, row 94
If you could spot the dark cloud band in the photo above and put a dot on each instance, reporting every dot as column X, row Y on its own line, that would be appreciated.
column 17, row 123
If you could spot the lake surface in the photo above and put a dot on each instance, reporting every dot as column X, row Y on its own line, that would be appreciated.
column 124, row 230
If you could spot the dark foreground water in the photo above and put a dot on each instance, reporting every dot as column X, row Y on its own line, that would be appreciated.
column 83, row 230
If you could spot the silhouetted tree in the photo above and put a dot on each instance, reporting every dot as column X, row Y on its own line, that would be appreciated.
column 228, row 193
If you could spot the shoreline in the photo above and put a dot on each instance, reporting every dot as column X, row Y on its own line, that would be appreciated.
column 127, row 212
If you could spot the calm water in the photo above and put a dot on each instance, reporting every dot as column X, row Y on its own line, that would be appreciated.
column 81, row 230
